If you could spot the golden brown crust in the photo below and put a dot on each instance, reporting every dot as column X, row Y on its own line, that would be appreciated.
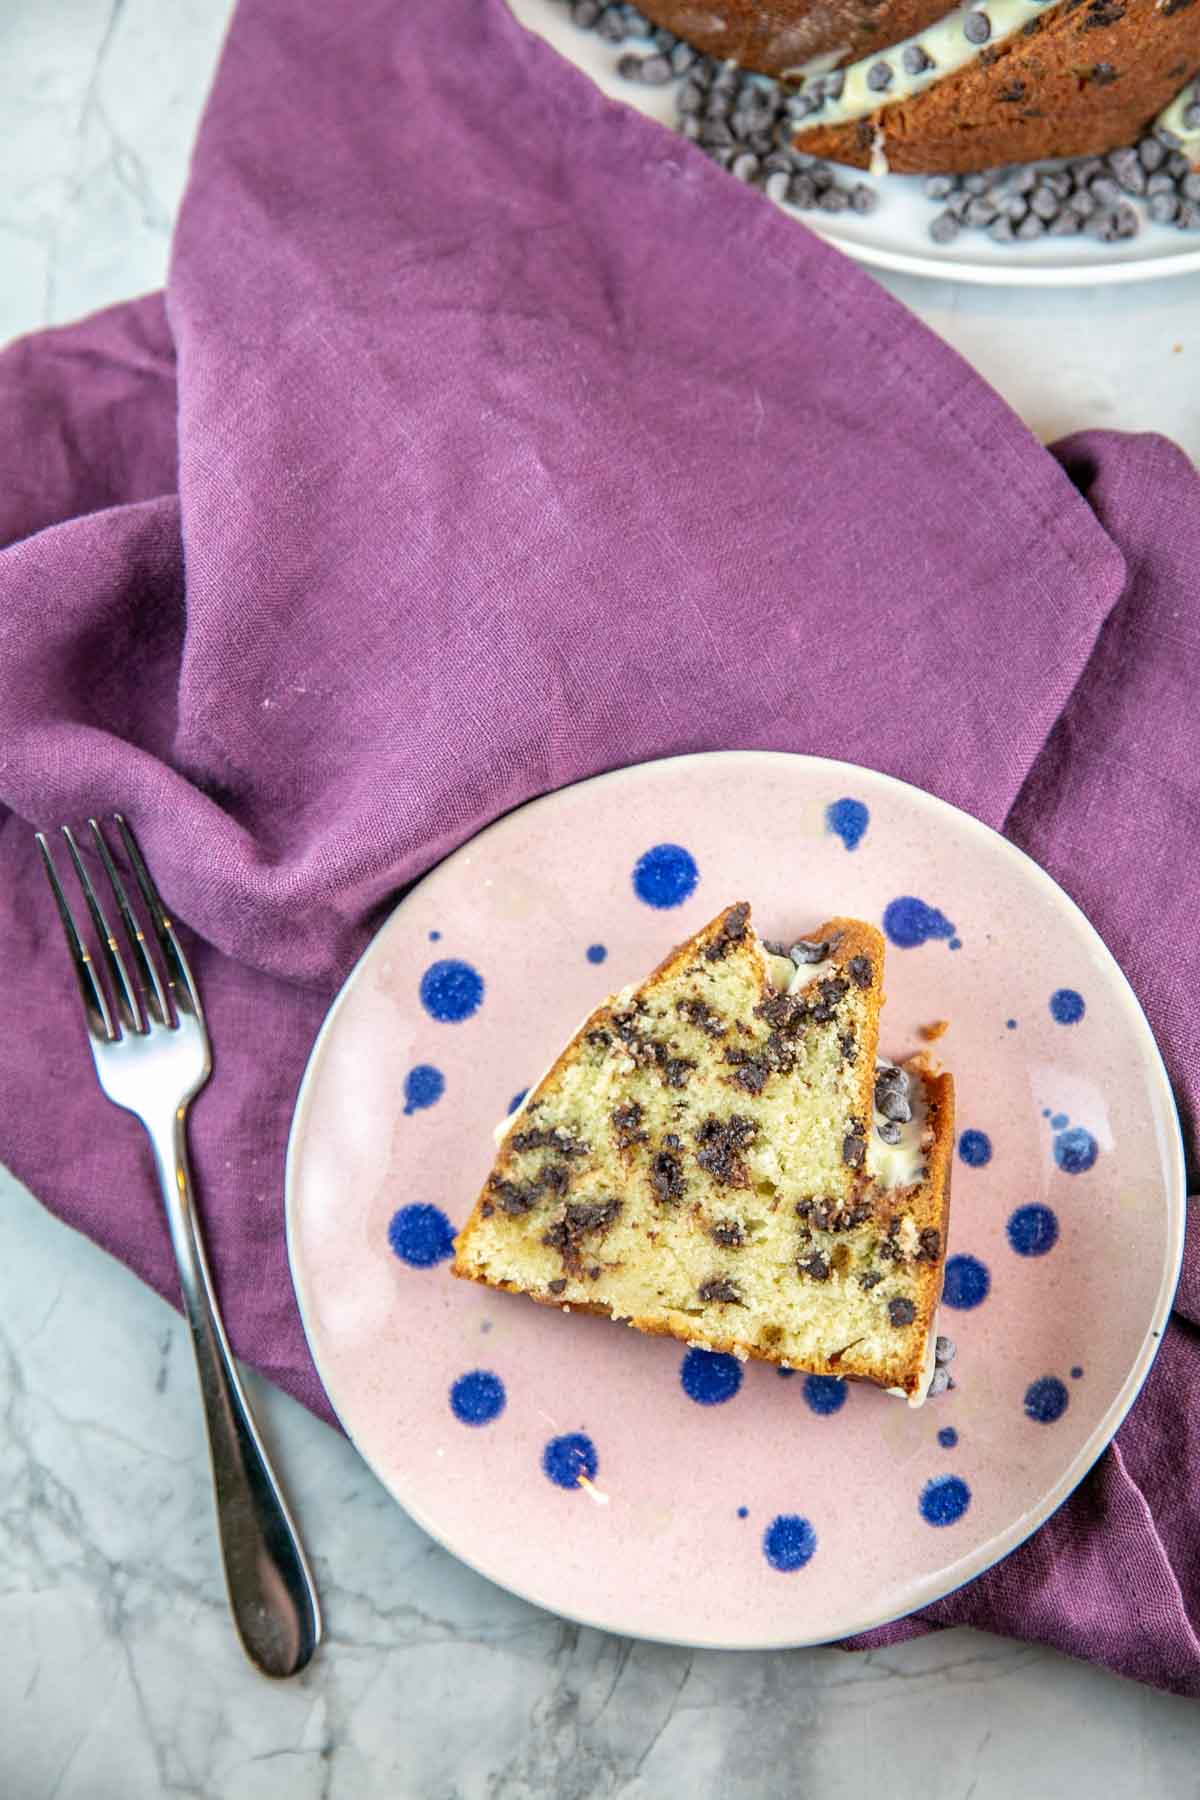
column 1084, row 78
column 778, row 37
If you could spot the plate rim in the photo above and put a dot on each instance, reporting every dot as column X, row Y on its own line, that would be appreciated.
column 1101, row 1436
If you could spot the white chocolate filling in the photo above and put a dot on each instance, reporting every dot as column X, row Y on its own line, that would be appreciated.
column 1172, row 126
column 945, row 46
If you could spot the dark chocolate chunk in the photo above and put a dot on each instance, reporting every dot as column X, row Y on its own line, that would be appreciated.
column 860, row 971
column 666, row 1177
column 931, row 1244
column 556, row 1287
column 554, row 1139
column 580, row 1219
column 721, row 1142
column 915, row 60
column 676, row 1069
column 702, row 1016
column 869, row 1279
column 750, row 1072
column 854, row 1151
column 879, row 77
column 728, row 1232
column 627, row 1122
column 890, row 1131
column 721, row 1290
column 515, row 1197
column 901, row 1311
column 808, row 950
column 733, row 930
column 816, row 1266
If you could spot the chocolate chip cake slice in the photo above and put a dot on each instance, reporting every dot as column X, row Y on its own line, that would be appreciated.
column 715, row 1156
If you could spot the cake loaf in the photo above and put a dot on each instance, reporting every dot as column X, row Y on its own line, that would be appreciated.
column 1009, row 82
column 715, row 1156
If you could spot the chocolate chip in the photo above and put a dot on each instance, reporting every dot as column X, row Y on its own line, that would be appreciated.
column 553, row 1139
column 721, row 1290
column 816, row 1266
column 879, row 77
column 750, row 1072
column 721, row 1142
column 901, row 1311
column 977, row 28
column 833, row 84
column 594, row 1274
column 486, row 1210
column 809, row 950
column 863, row 199
column 938, row 1383
column 860, row 971
column 666, row 1177
column 890, row 1131
column 515, row 1198
column 733, row 930
column 892, row 1088
column 556, row 1287
column 854, row 1151
column 869, row 1279
column 676, row 1070
column 931, row 1244
column 915, row 60
column 627, row 1121
column 671, row 1141
column 728, row 1232
column 945, row 1350
column 940, row 187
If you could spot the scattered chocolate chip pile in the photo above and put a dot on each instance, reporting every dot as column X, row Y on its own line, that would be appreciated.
column 743, row 122
column 1092, row 196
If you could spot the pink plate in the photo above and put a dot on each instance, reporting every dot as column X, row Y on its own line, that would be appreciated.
column 620, row 1479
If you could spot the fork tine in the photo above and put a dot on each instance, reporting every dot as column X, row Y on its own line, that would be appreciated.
column 128, row 1000
column 95, row 1006
column 156, row 997
column 178, row 973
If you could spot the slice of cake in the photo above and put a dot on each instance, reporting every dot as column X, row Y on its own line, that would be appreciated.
column 716, row 1157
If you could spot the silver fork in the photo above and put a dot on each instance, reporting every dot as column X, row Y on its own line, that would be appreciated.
column 152, row 1058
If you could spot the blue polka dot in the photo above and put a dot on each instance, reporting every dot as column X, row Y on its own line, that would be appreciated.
column 743, row 1512
column 909, row 922
column 421, row 1236
column 1076, row 1372
column 709, row 1377
column 967, row 1283
column 422, row 1087
column 1066, row 1006
column 1075, row 1151
column 1045, row 1112
column 665, row 876
column 1059, row 1122
column 477, row 1398
column 596, row 953
column 975, row 1148
column 1046, row 1400
column 824, row 1393
column 451, row 990
column 944, row 1500
column 570, row 1459
column 956, row 943
column 516, row 1100
column 789, row 1542
column 1033, row 1230
column 1010, row 1024
column 947, row 1437
column 847, row 819
column 785, row 1374
column 435, row 937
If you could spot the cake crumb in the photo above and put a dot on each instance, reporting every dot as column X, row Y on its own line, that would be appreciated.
column 934, row 1030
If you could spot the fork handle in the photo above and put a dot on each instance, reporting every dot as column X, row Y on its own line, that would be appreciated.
column 271, row 1591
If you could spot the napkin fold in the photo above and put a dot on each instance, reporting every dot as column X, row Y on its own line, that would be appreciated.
column 486, row 437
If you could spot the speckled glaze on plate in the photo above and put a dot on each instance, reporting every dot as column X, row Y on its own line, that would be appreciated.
column 615, row 1478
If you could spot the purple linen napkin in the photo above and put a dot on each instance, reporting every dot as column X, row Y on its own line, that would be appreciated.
column 488, row 437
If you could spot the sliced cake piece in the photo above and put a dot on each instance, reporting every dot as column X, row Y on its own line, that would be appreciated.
column 698, row 1162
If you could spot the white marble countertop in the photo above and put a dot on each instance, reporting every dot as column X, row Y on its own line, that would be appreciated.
column 119, row 1675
